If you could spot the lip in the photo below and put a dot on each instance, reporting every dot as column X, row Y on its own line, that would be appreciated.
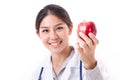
column 55, row 44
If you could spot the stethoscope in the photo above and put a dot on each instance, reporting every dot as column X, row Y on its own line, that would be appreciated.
column 41, row 71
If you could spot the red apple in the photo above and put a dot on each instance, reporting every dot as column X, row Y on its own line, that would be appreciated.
column 86, row 27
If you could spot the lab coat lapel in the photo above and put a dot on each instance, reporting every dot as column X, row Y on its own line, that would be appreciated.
column 72, row 66
column 47, row 72
column 66, row 74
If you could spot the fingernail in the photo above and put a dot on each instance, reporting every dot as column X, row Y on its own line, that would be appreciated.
column 80, row 33
column 90, row 34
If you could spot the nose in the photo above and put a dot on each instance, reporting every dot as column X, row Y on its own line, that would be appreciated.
column 53, row 35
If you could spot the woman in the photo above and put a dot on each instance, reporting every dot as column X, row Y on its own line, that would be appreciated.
column 53, row 26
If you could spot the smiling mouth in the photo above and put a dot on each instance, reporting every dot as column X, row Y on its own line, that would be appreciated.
column 55, row 44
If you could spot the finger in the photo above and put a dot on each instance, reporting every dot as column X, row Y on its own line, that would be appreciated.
column 86, row 39
column 93, row 38
column 82, row 43
column 78, row 47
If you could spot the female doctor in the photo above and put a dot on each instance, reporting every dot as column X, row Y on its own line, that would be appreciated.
column 54, row 26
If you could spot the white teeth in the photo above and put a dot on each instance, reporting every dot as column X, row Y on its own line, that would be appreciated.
column 54, row 44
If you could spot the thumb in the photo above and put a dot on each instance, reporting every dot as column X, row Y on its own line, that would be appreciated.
column 78, row 48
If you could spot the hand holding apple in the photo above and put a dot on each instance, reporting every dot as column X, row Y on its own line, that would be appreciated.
column 86, row 27
column 86, row 45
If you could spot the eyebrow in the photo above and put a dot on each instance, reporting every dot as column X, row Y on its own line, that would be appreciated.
column 55, row 25
column 59, row 24
column 43, row 27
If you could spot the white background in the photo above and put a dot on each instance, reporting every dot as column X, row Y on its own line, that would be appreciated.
column 21, row 50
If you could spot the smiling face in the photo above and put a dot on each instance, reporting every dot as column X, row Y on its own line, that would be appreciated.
column 54, row 33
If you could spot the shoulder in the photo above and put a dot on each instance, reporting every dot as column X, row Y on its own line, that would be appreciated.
column 40, row 63
column 45, row 61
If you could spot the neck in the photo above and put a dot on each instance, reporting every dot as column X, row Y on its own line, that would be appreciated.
column 58, row 59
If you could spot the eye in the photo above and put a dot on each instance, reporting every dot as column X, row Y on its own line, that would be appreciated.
column 45, row 30
column 59, row 28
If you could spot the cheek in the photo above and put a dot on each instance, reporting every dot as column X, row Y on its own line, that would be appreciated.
column 64, row 35
column 44, row 38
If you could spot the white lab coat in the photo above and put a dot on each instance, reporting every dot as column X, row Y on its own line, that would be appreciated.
column 72, row 70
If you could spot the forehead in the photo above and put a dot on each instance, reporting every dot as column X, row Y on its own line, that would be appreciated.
column 51, row 20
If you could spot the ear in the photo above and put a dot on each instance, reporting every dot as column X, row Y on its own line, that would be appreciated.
column 37, row 32
column 70, row 30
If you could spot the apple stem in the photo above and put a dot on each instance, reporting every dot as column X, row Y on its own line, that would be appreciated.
column 84, row 20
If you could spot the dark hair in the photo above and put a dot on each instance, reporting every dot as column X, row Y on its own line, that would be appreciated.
column 54, row 10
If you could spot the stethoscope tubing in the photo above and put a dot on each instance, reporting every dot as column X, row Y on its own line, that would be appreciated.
column 41, row 71
column 81, row 70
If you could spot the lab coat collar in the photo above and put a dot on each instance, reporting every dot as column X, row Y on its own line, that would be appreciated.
column 74, row 60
